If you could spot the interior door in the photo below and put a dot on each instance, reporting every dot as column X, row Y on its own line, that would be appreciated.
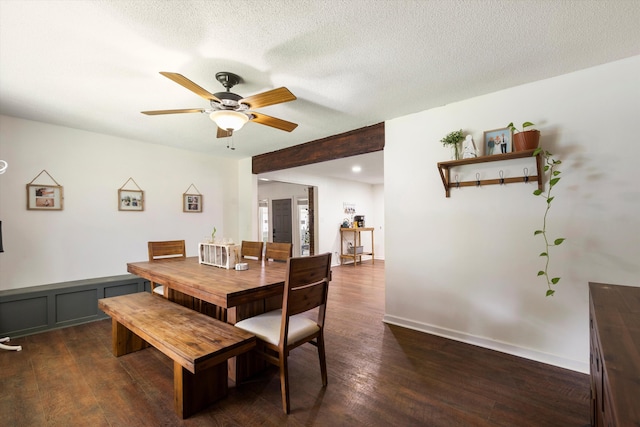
column 281, row 221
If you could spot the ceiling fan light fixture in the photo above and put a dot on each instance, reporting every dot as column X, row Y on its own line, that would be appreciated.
column 229, row 120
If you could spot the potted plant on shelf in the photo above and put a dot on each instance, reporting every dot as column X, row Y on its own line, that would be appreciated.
column 453, row 140
column 524, row 139
column 550, row 165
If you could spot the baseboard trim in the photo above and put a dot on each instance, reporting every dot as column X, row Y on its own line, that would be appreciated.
column 500, row 346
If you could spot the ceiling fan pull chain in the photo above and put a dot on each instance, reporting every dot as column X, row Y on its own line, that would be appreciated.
column 230, row 141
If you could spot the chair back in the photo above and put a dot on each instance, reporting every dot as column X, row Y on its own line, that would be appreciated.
column 167, row 249
column 279, row 331
column 306, row 287
column 251, row 249
column 163, row 250
column 278, row 251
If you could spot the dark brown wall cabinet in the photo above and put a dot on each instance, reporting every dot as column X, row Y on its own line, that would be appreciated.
column 614, row 322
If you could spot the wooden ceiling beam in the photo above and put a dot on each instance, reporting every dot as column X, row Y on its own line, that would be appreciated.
column 359, row 141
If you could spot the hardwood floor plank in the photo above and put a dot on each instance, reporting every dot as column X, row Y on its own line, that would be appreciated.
column 20, row 403
column 379, row 375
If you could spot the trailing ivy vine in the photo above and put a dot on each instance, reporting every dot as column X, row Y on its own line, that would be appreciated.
column 550, row 166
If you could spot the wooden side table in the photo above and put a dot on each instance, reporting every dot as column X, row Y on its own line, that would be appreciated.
column 355, row 256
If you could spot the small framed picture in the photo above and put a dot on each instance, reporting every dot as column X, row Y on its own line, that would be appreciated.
column 192, row 203
column 497, row 141
column 130, row 200
column 44, row 197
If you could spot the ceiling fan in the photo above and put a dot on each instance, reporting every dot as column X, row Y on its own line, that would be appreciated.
column 231, row 111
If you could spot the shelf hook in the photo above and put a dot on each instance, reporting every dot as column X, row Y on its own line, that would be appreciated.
column 501, row 177
column 526, row 174
column 457, row 182
column 477, row 179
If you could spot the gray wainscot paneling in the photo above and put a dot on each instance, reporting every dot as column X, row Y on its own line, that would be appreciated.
column 39, row 308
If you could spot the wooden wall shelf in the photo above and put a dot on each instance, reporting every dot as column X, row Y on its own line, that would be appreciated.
column 445, row 171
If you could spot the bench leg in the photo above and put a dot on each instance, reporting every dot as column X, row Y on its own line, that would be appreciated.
column 194, row 392
column 124, row 341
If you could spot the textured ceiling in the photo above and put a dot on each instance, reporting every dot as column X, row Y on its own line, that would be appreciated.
column 95, row 65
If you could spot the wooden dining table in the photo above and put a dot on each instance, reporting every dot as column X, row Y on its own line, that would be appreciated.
column 226, row 294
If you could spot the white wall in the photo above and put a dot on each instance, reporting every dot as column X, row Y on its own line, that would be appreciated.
column 247, row 202
column 90, row 237
column 465, row 267
column 331, row 194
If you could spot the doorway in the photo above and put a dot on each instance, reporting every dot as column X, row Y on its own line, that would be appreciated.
column 304, row 233
column 281, row 228
column 297, row 213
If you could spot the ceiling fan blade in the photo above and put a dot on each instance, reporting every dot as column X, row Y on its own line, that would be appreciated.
column 183, row 81
column 270, row 97
column 223, row 133
column 263, row 119
column 187, row 110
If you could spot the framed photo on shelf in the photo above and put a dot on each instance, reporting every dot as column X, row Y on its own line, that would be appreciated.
column 130, row 200
column 192, row 202
column 498, row 141
column 44, row 197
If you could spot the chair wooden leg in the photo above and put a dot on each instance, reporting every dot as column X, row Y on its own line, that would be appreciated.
column 284, row 383
column 323, row 359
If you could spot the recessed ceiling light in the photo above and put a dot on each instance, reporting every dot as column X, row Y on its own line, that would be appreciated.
column 356, row 169
column 263, row 179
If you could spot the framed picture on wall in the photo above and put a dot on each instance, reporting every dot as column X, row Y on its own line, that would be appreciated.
column 192, row 202
column 497, row 141
column 130, row 200
column 44, row 197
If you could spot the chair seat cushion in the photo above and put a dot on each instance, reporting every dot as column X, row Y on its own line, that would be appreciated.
column 159, row 290
column 266, row 326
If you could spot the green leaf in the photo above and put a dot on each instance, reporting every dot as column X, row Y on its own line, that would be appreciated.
column 550, row 292
column 556, row 173
column 555, row 280
column 527, row 124
column 553, row 181
column 535, row 233
column 558, row 241
column 549, row 200
column 537, row 151
column 546, row 168
column 540, row 273
column 537, row 192
column 544, row 254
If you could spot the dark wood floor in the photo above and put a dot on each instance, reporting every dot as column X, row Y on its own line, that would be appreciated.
column 379, row 375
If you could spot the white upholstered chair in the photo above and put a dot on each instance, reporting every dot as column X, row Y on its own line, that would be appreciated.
column 280, row 331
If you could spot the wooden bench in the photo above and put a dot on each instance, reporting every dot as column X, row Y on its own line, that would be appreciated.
column 199, row 345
